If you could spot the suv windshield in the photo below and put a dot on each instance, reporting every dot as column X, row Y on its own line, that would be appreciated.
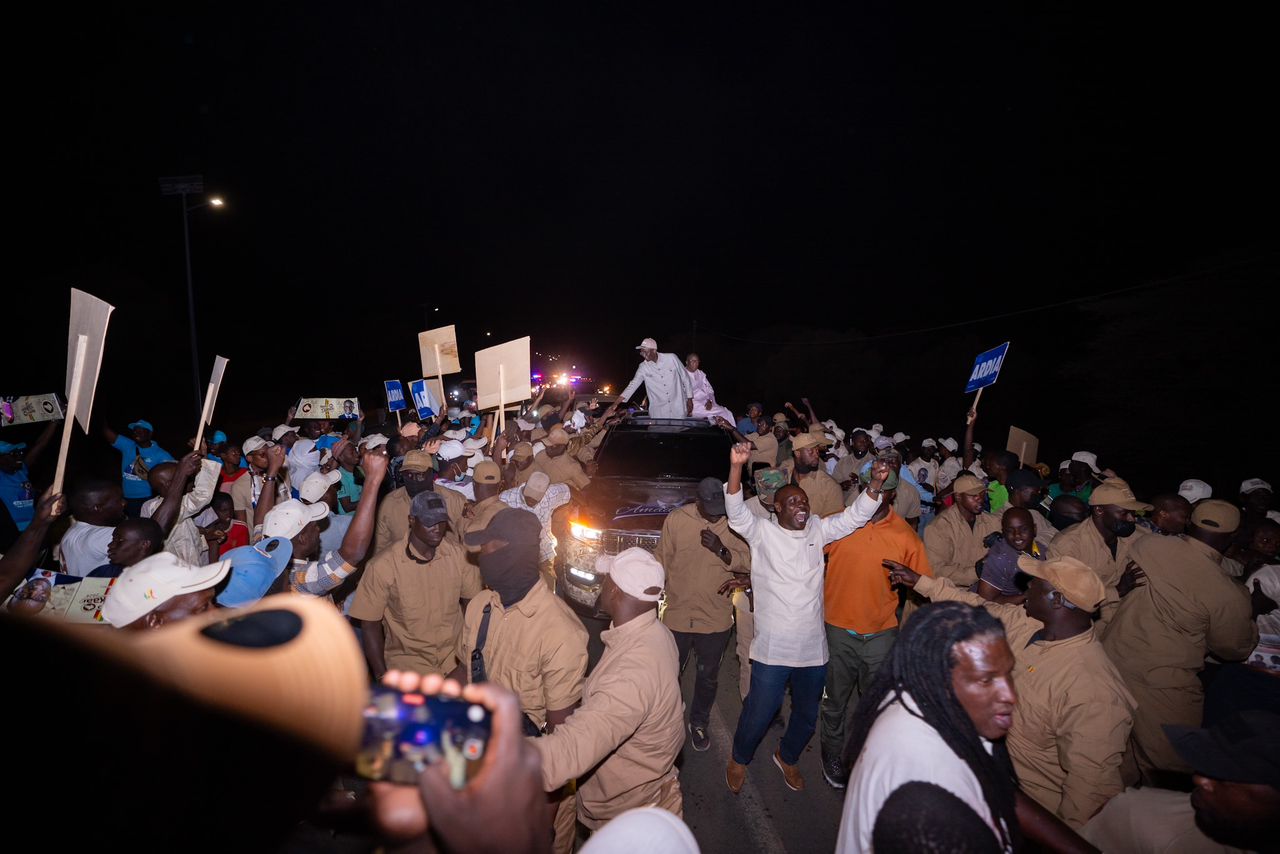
column 661, row 452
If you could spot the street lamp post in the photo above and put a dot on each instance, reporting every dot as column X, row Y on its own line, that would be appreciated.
column 183, row 186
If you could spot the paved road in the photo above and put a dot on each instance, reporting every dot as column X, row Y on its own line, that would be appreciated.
column 766, row 816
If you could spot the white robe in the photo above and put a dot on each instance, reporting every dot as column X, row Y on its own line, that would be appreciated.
column 703, row 394
column 666, row 382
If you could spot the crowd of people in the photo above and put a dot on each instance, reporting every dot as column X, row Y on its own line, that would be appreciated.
column 995, row 654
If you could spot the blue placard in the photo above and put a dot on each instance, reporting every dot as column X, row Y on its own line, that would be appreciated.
column 395, row 396
column 422, row 399
column 986, row 368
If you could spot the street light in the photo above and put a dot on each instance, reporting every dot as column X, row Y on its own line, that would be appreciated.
column 190, row 185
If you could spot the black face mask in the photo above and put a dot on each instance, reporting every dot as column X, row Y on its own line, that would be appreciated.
column 1124, row 529
column 511, row 571
column 801, row 468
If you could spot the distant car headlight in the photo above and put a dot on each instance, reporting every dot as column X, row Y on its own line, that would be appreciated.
column 582, row 532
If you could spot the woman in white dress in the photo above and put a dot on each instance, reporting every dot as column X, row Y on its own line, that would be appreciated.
column 704, row 396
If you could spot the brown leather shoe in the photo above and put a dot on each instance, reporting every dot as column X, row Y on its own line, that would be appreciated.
column 790, row 773
column 735, row 774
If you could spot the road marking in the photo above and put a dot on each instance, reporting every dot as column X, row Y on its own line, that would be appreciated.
column 759, row 825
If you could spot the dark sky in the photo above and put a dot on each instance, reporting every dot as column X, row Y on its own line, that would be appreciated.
column 791, row 180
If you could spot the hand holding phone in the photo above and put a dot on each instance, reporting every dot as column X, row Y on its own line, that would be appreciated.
column 405, row 731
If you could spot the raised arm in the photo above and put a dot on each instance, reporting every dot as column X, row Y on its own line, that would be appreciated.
column 169, row 510
column 859, row 513
column 355, row 545
column 634, row 384
column 22, row 555
column 740, row 518
column 969, row 420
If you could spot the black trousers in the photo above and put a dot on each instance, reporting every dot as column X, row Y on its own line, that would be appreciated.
column 709, row 649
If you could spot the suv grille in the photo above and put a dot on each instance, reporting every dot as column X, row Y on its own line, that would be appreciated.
column 615, row 542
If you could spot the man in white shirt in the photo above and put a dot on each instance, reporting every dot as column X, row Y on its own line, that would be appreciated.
column 666, row 383
column 540, row 497
column 98, row 506
column 790, row 642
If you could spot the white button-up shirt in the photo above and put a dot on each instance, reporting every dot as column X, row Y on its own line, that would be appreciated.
column 666, row 382
column 787, row 576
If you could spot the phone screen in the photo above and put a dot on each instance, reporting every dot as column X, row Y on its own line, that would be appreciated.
column 406, row 732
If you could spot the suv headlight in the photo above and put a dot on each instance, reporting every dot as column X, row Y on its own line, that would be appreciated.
column 585, row 534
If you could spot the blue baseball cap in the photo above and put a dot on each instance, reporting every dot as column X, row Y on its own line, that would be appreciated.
column 145, row 425
column 218, row 438
column 6, row 448
column 253, row 570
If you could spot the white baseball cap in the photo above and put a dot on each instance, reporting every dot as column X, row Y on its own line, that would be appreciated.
column 457, row 435
column 476, row 444
column 1064, row 465
column 254, row 443
column 154, row 580
column 373, row 440
column 1253, row 484
column 288, row 518
column 281, row 429
column 1089, row 459
column 316, row 485
column 977, row 447
column 525, row 426
column 900, row 437
column 951, row 444
column 648, row 344
column 1195, row 490
column 453, row 449
column 928, row 443
column 635, row 571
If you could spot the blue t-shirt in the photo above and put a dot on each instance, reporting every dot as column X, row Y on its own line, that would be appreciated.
column 746, row 425
column 328, row 440
column 134, row 486
column 18, row 497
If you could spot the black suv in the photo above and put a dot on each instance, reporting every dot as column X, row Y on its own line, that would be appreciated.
column 647, row 467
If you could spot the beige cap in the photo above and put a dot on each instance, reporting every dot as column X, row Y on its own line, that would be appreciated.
column 1073, row 579
column 1116, row 491
column 418, row 460
column 487, row 472
column 1214, row 514
column 287, row 661
column 808, row 440
column 522, row 451
column 968, row 484
column 537, row 485
column 557, row 436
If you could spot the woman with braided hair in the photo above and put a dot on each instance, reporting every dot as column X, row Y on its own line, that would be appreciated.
column 937, row 711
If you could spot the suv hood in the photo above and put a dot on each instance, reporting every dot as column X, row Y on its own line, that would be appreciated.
column 633, row 504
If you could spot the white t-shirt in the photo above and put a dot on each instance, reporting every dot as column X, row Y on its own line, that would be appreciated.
column 84, row 548
column 787, row 579
column 902, row 748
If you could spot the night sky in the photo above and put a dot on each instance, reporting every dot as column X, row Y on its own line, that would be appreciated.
column 847, row 204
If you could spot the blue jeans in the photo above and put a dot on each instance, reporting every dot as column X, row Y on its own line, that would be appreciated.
column 768, row 684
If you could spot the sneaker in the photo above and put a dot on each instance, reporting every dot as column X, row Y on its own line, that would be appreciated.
column 790, row 773
column 698, row 735
column 833, row 772
column 735, row 775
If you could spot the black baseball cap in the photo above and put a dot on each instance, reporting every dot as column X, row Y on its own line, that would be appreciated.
column 711, row 494
column 515, row 526
column 1244, row 748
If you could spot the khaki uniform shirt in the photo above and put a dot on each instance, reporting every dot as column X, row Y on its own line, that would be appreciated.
column 1083, row 542
column 1163, row 629
column 953, row 547
column 244, row 495
column 622, row 742
column 417, row 603
column 393, row 516
column 694, row 573
column 848, row 466
column 561, row 469
column 536, row 648
column 1074, row 713
column 825, row 496
column 766, row 450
